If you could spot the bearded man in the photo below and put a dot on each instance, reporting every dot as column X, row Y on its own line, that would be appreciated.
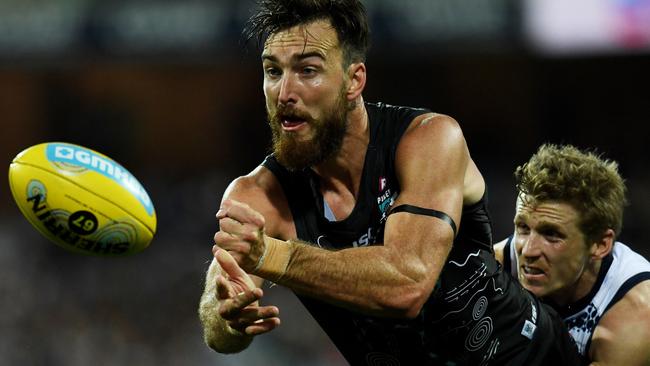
column 374, row 215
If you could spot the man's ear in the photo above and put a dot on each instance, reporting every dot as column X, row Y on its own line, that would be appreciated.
column 602, row 247
column 357, row 77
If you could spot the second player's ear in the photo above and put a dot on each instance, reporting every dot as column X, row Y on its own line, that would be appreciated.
column 601, row 248
column 357, row 80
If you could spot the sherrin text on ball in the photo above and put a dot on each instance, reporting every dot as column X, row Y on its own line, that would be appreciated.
column 82, row 200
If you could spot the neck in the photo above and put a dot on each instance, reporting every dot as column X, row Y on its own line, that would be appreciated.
column 582, row 286
column 343, row 171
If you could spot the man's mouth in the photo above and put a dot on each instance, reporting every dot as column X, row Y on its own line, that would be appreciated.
column 532, row 272
column 291, row 123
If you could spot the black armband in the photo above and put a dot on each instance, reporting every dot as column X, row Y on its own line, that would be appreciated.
column 426, row 212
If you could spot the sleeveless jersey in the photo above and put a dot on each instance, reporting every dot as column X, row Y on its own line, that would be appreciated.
column 476, row 315
column 621, row 270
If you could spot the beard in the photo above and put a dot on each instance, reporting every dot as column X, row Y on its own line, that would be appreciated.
column 295, row 153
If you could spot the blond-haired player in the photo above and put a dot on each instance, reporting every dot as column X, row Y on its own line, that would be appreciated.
column 564, row 250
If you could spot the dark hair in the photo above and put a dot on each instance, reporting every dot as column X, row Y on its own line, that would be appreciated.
column 583, row 179
column 348, row 17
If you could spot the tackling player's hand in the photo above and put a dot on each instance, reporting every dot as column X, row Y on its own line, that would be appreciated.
column 241, row 233
column 239, row 299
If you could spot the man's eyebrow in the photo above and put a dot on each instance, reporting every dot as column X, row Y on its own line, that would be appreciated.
column 551, row 225
column 269, row 58
column 520, row 217
column 305, row 55
column 298, row 57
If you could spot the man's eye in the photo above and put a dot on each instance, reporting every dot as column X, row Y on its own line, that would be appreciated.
column 272, row 71
column 552, row 236
column 522, row 228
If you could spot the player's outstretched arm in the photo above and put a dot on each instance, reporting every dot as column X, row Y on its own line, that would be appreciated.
column 391, row 280
column 229, row 309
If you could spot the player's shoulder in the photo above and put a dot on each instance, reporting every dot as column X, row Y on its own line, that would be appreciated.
column 634, row 306
column 434, row 127
column 258, row 187
column 622, row 336
column 261, row 190
column 434, row 121
column 629, row 275
column 638, row 298
column 432, row 134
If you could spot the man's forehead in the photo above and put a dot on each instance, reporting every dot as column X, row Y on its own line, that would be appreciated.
column 318, row 36
column 554, row 211
column 523, row 201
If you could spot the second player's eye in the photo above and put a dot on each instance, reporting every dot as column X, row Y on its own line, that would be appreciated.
column 522, row 228
column 309, row 70
column 552, row 236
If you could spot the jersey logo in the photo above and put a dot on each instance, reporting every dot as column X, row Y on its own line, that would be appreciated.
column 365, row 239
column 582, row 325
column 322, row 241
column 528, row 330
column 385, row 199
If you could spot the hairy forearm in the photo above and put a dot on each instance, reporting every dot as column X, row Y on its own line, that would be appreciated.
column 216, row 332
column 373, row 280
column 361, row 279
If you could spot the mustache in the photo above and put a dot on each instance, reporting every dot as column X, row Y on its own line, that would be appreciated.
column 288, row 112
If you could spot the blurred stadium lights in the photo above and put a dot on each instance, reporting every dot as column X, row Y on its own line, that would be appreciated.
column 95, row 28
column 158, row 26
column 36, row 28
column 448, row 20
column 143, row 27
column 192, row 28
column 588, row 26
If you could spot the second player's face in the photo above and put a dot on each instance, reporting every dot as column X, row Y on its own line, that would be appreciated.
column 551, row 249
column 304, row 86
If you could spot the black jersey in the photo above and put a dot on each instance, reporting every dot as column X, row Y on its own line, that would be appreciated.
column 476, row 315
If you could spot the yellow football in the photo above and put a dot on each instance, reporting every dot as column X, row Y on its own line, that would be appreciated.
column 82, row 200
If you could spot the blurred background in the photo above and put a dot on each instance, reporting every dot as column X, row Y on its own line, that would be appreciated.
column 166, row 89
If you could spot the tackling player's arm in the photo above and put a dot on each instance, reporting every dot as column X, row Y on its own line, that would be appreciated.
column 396, row 278
column 622, row 336
column 229, row 309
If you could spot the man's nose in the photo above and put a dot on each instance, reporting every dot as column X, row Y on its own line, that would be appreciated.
column 531, row 246
column 288, row 89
